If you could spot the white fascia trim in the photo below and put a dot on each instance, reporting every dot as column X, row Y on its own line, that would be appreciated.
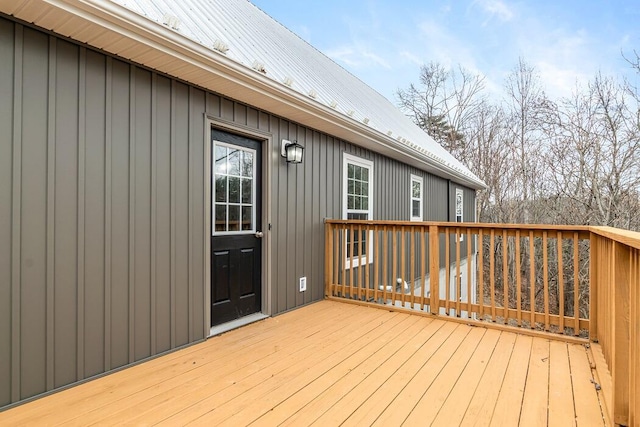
column 120, row 20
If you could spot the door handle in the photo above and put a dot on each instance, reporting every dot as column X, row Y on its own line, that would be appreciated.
column 259, row 234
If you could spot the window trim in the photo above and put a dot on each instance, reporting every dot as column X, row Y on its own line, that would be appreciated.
column 459, row 191
column 358, row 161
column 420, row 199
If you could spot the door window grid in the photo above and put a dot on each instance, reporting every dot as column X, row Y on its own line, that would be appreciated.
column 233, row 189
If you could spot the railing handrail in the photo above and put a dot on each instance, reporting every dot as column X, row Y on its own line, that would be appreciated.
column 470, row 225
column 626, row 237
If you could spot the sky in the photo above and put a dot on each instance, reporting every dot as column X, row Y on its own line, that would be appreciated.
column 384, row 42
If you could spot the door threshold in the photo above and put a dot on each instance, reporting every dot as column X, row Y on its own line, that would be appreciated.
column 234, row 324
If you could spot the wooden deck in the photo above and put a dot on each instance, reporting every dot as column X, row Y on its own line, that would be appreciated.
column 333, row 363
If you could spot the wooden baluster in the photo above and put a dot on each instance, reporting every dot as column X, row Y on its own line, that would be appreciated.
column 367, row 262
column 394, row 266
column 492, row 273
column 545, row 278
column 518, row 280
column 423, row 271
column 376, row 263
column 353, row 259
column 362, row 261
column 447, row 262
column 560, row 283
column 385, row 262
column 468, row 273
column 434, row 269
column 458, row 284
column 412, row 257
column 532, row 281
column 576, row 286
column 345, row 259
column 481, row 272
column 505, row 276
column 594, row 287
column 403, row 264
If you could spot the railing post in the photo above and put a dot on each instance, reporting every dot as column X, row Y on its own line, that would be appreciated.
column 594, row 287
column 434, row 268
column 620, row 316
column 328, row 258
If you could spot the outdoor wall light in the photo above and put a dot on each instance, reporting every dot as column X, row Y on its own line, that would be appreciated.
column 292, row 151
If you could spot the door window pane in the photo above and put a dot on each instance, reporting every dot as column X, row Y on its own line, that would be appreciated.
column 247, row 164
column 220, row 154
column 247, row 191
column 221, row 188
column 233, row 193
column 220, row 218
column 234, row 218
column 234, row 189
column 247, row 218
column 234, row 162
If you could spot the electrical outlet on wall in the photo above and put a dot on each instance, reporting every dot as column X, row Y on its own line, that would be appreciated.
column 303, row 284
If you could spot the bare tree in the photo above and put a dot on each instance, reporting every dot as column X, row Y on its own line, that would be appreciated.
column 524, row 95
column 594, row 155
column 444, row 104
column 573, row 160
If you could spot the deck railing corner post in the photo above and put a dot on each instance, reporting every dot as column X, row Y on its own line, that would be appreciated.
column 620, row 364
column 593, row 287
column 328, row 257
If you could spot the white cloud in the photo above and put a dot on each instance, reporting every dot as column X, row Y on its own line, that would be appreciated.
column 412, row 58
column 496, row 8
column 342, row 54
column 357, row 56
column 444, row 46
column 376, row 59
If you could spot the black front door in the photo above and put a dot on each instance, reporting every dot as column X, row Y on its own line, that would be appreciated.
column 236, row 224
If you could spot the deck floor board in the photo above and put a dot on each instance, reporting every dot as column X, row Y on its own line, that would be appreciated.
column 332, row 363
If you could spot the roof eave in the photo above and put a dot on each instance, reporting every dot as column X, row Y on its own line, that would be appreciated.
column 214, row 71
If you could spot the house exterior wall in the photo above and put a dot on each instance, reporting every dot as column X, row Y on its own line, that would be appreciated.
column 102, row 210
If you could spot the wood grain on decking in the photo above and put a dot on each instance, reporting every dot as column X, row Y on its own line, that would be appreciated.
column 341, row 364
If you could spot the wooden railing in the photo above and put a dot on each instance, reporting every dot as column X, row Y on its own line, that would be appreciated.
column 571, row 280
column 615, row 275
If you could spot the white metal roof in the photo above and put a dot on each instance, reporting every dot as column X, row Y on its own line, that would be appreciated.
column 234, row 48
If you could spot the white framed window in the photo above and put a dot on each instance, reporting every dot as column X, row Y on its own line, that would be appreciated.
column 460, row 208
column 417, row 183
column 357, row 203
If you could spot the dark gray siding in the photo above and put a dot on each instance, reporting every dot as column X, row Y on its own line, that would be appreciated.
column 7, row 280
column 102, row 226
column 101, row 222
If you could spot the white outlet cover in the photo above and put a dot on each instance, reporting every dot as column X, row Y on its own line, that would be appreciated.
column 303, row 284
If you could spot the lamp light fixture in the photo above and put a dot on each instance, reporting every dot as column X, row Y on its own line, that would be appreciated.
column 292, row 151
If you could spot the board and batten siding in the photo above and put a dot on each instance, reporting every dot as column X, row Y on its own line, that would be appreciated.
column 101, row 224
column 102, row 209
